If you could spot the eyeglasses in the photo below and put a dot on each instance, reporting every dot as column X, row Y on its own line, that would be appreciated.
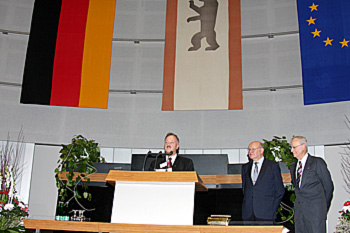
column 294, row 147
column 254, row 149
column 172, row 142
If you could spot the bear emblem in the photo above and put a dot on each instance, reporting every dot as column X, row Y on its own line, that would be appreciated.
column 207, row 16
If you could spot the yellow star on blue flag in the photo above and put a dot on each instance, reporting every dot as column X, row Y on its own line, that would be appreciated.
column 325, row 51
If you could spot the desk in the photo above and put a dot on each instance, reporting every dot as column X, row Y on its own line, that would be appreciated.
column 116, row 227
column 227, row 200
column 207, row 179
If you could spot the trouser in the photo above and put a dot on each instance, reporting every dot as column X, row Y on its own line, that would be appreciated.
column 253, row 220
column 303, row 225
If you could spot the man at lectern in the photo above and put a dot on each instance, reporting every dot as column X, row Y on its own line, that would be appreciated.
column 172, row 161
column 262, row 186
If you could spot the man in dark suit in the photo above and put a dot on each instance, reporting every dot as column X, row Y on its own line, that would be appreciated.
column 172, row 162
column 313, row 189
column 262, row 186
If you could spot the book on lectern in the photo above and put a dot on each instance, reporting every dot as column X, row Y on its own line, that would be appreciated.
column 219, row 220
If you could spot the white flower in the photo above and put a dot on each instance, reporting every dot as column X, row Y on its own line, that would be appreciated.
column 278, row 148
column 346, row 208
column 19, row 198
column 21, row 205
column 9, row 207
column 85, row 155
column 9, row 182
column 277, row 159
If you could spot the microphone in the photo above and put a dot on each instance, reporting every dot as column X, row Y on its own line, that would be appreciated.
column 161, row 154
column 155, row 163
column 157, row 155
column 144, row 161
column 170, row 153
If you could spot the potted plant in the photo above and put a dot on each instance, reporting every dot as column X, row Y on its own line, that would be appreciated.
column 278, row 149
column 77, row 163
column 344, row 220
column 12, row 207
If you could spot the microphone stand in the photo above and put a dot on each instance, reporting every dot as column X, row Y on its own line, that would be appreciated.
column 144, row 161
column 166, row 168
column 160, row 153
column 155, row 164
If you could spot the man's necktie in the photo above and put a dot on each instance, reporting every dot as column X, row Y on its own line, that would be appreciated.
column 255, row 172
column 299, row 174
column 169, row 165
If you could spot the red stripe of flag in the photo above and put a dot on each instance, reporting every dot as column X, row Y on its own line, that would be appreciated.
column 235, row 60
column 69, row 53
column 169, row 54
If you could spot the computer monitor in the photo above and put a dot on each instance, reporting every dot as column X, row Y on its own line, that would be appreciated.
column 204, row 164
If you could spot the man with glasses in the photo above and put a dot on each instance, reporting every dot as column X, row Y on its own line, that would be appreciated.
column 313, row 189
column 262, row 186
column 172, row 161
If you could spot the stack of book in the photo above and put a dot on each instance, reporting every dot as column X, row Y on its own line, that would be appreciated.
column 219, row 220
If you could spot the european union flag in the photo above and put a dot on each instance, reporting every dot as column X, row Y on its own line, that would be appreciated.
column 324, row 31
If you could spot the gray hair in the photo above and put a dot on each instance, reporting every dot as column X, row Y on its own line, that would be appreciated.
column 301, row 140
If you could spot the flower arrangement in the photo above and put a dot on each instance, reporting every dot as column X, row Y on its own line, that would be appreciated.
column 344, row 220
column 345, row 212
column 12, row 207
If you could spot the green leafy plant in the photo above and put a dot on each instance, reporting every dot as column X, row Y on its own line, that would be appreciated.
column 278, row 149
column 77, row 160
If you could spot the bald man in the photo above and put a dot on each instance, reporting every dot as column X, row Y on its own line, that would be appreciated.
column 262, row 186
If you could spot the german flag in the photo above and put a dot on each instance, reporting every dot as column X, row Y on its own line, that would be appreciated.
column 202, row 59
column 69, row 53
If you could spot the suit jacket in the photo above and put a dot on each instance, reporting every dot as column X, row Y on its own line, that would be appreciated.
column 181, row 164
column 315, row 194
column 264, row 197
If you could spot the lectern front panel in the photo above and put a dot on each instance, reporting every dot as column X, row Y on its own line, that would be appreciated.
column 163, row 203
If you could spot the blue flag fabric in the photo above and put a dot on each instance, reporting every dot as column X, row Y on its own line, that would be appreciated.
column 324, row 31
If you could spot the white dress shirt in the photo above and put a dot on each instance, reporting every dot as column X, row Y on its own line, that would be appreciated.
column 260, row 162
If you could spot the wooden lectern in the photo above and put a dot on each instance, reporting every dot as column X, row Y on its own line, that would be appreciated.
column 147, row 197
